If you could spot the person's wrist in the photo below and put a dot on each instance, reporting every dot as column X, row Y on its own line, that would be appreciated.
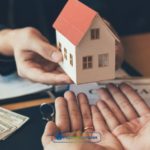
column 5, row 42
column 13, row 39
column 19, row 37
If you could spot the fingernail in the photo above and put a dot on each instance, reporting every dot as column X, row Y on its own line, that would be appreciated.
column 56, row 56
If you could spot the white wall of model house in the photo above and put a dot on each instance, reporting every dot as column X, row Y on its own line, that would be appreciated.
column 87, row 47
column 71, row 49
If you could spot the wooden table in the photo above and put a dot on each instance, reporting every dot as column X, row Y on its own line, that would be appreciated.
column 137, row 52
column 27, row 104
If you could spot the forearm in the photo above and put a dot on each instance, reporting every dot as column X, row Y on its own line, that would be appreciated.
column 5, row 46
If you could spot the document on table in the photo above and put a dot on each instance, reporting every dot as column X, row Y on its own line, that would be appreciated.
column 141, row 85
column 12, row 86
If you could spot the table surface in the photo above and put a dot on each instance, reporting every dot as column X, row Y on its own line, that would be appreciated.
column 27, row 104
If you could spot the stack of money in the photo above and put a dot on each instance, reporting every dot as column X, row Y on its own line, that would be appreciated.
column 10, row 122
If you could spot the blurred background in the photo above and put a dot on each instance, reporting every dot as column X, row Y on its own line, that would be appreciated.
column 127, row 16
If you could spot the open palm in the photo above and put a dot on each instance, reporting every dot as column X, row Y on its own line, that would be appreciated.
column 129, row 116
column 76, row 120
column 108, row 140
column 135, row 134
column 121, row 117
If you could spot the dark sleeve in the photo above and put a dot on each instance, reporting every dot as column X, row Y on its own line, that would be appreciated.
column 2, row 27
column 7, row 64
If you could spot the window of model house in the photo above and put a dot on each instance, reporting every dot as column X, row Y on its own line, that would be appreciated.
column 59, row 46
column 103, row 60
column 71, row 60
column 65, row 53
column 87, row 62
column 95, row 33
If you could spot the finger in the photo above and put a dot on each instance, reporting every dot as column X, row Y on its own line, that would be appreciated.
column 49, row 133
column 98, row 121
column 85, row 111
column 38, row 75
column 122, row 102
column 109, row 117
column 137, row 102
column 62, row 115
column 74, row 113
column 105, row 96
column 60, row 69
column 47, row 51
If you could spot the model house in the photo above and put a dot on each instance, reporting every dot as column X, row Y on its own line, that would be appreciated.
column 86, row 42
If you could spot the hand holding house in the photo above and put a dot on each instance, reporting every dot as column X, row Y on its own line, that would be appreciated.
column 86, row 42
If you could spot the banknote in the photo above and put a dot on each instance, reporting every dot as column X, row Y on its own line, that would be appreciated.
column 6, row 129
column 10, row 122
column 12, row 117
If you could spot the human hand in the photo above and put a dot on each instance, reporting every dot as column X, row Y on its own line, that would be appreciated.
column 129, row 114
column 68, row 119
column 76, row 120
column 36, row 59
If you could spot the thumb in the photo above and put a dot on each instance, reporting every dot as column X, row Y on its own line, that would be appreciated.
column 48, row 51
column 49, row 133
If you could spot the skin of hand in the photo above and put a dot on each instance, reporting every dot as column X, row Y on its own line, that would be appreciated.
column 72, row 116
column 36, row 58
column 126, row 115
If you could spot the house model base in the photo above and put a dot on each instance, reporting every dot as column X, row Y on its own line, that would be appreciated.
column 86, row 42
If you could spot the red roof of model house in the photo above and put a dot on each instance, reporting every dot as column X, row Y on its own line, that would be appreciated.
column 74, row 20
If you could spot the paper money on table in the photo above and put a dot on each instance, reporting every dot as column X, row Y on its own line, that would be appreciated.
column 10, row 122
